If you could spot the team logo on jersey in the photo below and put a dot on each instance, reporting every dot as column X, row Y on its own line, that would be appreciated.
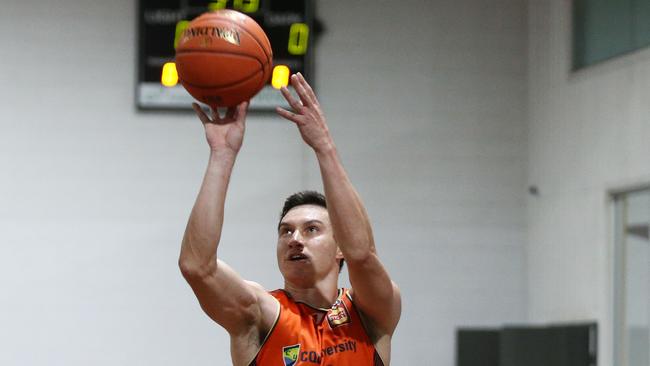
column 290, row 354
column 338, row 314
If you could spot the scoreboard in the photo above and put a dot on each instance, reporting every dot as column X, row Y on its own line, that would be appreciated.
column 289, row 24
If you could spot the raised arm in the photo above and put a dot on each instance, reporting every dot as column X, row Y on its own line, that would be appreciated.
column 239, row 306
column 374, row 292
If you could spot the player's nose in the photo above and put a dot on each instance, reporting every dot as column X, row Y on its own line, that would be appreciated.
column 296, row 240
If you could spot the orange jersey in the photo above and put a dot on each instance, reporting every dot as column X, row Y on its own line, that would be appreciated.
column 304, row 335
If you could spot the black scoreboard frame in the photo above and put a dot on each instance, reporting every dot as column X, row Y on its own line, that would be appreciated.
column 152, row 95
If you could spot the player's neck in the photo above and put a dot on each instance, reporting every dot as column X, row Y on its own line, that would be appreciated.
column 321, row 295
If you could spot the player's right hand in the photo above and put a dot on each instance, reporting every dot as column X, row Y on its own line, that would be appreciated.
column 224, row 134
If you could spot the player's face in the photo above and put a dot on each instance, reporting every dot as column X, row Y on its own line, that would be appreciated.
column 306, row 249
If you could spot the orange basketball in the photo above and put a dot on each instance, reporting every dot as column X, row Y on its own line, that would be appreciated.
column 223, row 58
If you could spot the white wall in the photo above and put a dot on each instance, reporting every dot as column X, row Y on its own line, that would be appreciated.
column 425, row 100
column 588, row 134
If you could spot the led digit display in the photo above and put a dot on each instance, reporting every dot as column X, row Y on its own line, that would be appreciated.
column 298, row 38
column 216, row 5
column 246, row 6
column 180, row 28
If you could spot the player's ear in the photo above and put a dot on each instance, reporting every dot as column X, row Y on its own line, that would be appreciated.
column 339, row 258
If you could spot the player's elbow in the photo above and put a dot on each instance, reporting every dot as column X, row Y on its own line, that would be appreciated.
column 193, row 271
column 360, row 256
column 358, row 248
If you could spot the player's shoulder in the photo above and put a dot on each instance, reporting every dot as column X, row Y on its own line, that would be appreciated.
column 396, row 291
column 256, row 286
column 261, row 293
column 281, row 295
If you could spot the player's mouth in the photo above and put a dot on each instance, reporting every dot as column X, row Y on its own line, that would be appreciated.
column 296, row 257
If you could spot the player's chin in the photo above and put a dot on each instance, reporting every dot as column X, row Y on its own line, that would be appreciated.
column 297, row 271
column 298, row 266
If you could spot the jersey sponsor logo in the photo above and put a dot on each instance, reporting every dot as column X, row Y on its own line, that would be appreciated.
column 338, row 314
column 311, row 357
column 290, row 354
column 327, row 352
column 348, row 346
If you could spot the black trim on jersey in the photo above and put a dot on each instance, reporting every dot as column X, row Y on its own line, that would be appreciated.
column 378, row 361
column 338, row 296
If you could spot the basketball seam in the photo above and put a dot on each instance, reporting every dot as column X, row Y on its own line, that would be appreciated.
column 192, row 50
column 228, row 53
column 239, row 81
column 268, row 57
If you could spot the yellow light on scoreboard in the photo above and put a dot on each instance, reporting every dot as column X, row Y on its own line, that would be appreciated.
column 280, row 76
column 169, row 76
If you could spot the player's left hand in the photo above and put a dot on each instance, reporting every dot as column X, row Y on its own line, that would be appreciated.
column 307, row 114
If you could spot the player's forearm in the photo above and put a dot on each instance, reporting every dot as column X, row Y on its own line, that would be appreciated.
column 347, row 213
column 203, row 232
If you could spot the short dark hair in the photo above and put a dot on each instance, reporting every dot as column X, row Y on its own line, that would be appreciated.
column 305, row 198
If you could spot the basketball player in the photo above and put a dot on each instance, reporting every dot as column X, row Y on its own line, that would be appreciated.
column 310, row 321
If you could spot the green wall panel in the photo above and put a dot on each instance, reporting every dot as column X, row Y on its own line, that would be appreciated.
column 605, row 28
column 642, row 23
